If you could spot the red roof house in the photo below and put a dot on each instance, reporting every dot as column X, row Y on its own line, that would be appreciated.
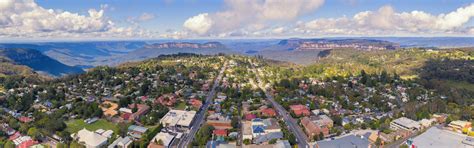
column 300, row 110
column 25, row 119
column 268, row 112
column 167, row 99
column 195, row 103
column 27, row 144
column 249, row 117
column 220, row 132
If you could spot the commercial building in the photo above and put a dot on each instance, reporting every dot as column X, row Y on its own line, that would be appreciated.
column 404, row 123
column 458, row 125
column 161, row 139
column 90, row 139
column 435, row 137
column 178, row 118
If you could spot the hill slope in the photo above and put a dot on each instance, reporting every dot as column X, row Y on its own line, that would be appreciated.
column 38, row 62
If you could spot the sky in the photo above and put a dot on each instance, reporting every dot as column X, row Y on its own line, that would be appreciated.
column 204, row 19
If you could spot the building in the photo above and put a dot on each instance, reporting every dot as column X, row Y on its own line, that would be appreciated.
column 350, row 141
column 458, row 125
column 142, row 109
column 258, row 127
column 220, row 124
column 167, row 100
column 91, row 139
column 404, row 123
column 322, row 120
column 300, row 110
column 121, row 142
column 312, row 129
column 220, row 132
column 109, row 108
column 425, row 123
column 440, row 118
column 271, row 125
column 268, row 112
column 161, row 139
column 136, row 131
column 435, row 137
column 247, row 130
column 178, row 118
column 195, row 103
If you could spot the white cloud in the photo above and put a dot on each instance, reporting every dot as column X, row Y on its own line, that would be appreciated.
column 386, row 21
column 250, row 15
column 199, row 24
column 146, row 17
column 26, row 19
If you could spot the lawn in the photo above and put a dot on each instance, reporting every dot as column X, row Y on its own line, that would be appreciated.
column 181, row 106
column 75, row 125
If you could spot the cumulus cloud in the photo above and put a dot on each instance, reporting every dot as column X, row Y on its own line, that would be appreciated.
column 386, row 21
column 249, row 15
column 26, row 19
column 199, row 24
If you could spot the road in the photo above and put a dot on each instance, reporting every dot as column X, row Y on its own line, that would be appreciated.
column 200, row 117
column 290, row 121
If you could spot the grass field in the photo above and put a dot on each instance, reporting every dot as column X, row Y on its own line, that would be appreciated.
column 75, row 125
column 181, row 106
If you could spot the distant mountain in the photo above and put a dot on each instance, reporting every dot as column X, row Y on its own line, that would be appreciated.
column 37, row 61
column 157, row 49
column 322, row 44
column 82, row 54
column 306, row 51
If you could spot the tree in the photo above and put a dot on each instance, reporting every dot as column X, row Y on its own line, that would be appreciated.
column 246, row 141
column 33, row 133
column 321, row 135
column 273, row 141
column 235, row 122
column 159, row 142
column 9, row 144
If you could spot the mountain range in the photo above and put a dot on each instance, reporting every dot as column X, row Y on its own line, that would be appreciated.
column 60, row 58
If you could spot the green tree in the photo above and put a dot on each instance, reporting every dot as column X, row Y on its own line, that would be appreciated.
column 33, row 133
column 247, row 141
column 9, row 144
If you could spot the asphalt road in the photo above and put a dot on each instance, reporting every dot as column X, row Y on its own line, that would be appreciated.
column 199, row 118
column 292, row 124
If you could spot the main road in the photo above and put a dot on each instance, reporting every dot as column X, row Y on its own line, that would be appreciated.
column 290, row 121
column 199, row 118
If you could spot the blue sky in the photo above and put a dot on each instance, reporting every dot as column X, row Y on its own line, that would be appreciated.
column 112, row 19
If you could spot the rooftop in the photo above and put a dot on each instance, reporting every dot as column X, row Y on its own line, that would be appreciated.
column 439, row 138
column 345, row 142
column 178, row 117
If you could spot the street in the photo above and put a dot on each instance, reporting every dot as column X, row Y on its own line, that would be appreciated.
column 292, row 124
column 200, row 117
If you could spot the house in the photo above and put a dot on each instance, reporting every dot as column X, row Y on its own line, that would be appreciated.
column 312, row 129
column 91, row 139
column 300, row 110
column 136, row 131
column 459, row 125
column 322, row 120
column 121, row 142
column 220, row 124
column 109, row 108
column 195, row 103
column 220, row 132
column 25, row 119
column 271, row 125
column 440, row 118
column 267, row 137
column 425, row 123
column 166, row 99
column 178, row 118
column 268, row 112
column 250, row 117
column 161, row 139
column 247, row 130
column 142, row 109
column 404, row 123
column 258, row 127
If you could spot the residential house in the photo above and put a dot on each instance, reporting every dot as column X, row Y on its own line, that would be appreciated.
column 459, row 125
column 196, row 103
column 268, row 112
column 142, row 109
column 161, row 140
column 247, row 130
column 121, row 142
column 166, row 99
column 300, row 110
column 322, row 120
column 136, row 131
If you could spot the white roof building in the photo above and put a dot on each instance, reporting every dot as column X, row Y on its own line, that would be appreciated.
column 91, row 139
column 178, row 118
column 405, row 124
column 166, row 138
